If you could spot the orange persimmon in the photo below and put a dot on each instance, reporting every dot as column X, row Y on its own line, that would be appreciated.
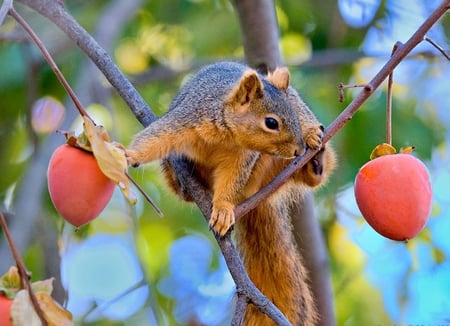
column 394, row 195
column 78, row 188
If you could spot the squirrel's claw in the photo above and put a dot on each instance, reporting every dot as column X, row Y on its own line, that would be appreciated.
column 131, row 158
column 313, row 136
column 222, row 219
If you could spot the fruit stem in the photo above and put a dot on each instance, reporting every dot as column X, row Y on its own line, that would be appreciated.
column 14, row 14
column 389, row 100
column 389, row 110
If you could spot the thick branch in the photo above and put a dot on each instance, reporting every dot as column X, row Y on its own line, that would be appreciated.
column 54, row 11
column 260, row 33
column 259, row 28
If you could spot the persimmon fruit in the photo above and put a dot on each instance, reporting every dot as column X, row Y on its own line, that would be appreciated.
column 394, row 195
column 78, row 188
column 5, row 308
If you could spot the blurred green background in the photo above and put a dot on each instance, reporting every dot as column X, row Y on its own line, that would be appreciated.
column 158, row 44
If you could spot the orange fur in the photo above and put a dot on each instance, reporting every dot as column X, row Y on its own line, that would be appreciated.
column 219, row 123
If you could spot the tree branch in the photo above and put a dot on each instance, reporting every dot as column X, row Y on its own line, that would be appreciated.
column 349, row 111
column 259, row 29
column 238, row 273
column 260, row 32
column 53, row 10
column 56, row 13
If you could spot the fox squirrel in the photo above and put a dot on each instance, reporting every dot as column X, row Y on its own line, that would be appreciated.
column 239, row 129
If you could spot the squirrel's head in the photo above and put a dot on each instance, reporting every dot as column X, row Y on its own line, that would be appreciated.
column 261, row 117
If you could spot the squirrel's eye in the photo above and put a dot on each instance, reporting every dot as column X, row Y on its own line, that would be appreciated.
column 271, row 123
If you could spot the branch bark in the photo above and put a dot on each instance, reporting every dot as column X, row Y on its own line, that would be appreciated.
column 350, row 110
column 259, row 28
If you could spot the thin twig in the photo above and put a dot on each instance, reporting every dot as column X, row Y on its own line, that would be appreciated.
column 343, row 86
column 55, row 11
column 25, row 275
column 389, row 100
column 95, row 307
column 146, row 196
column 437, row 46
column 13, row 13
column 347, row 114
column 389, row 109
column 4, row 9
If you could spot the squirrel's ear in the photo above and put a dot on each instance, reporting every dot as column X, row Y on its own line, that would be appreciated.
column 280, row 78
column 247, row 89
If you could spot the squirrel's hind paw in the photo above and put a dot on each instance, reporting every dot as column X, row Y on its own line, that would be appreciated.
column 222, row 218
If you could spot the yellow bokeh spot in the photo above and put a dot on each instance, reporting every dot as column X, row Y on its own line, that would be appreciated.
column 168, row 44
column 153, row 243
column 345, row 251
column 363, row 69
column 130, row 58
column 295, row 48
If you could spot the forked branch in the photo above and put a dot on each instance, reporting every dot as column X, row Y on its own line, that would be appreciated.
column 400, row 53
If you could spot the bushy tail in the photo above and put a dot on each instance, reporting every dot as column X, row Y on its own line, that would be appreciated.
column 266, row 244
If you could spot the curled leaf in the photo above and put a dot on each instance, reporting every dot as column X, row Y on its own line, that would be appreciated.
column 53, row 312
column 23, row 313
column 381, row 150
column 45, row 286
column 110, row 157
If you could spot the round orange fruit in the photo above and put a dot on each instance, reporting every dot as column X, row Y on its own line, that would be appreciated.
column 394, row 195
column 78, row 188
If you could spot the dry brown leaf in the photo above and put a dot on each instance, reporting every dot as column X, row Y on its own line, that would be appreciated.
column 23, row 313
column 45, row 286
column 407, row 149
column 53, row 312
column 110, row 157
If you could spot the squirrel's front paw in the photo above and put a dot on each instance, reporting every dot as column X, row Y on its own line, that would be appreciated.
column 132, row 158
column 222, row 218
column 313, row 136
